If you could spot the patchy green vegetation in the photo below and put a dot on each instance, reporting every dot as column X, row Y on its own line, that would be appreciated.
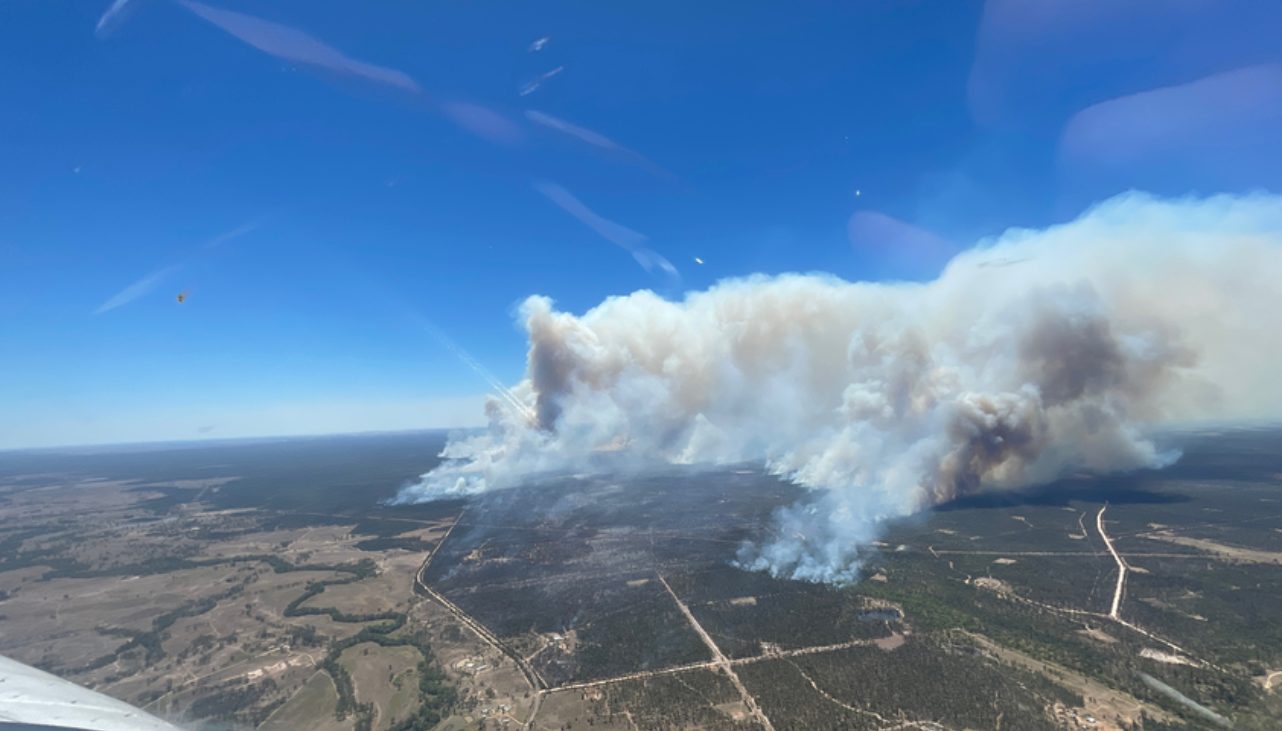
column 697, row 699
column 868, row 688
column 1005, row 600
column 150, row 641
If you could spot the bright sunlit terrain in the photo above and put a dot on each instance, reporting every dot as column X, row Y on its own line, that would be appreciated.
column 645, row 366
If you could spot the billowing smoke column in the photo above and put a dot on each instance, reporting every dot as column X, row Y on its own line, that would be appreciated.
column 1033, row 355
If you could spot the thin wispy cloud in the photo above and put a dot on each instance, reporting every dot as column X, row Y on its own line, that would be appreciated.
column 291, row 44
column 560, row 125
column 596, row 139
column 616, row 233
column 109, row 18
column 147, row 284
column 509, row 399
column 1233, row 111
column 626, row 238
column 909, row 250
column 233, row 233
column 139, row 288
column 294, row 45
column 533, row 85
column 483, row 122
column 116, row 15
column 1030, row 56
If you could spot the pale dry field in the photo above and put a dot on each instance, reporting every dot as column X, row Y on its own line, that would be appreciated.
column 237, row 651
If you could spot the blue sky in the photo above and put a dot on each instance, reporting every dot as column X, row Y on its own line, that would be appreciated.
column 327, row 179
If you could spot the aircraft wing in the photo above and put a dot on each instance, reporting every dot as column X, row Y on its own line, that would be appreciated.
column 32, row 698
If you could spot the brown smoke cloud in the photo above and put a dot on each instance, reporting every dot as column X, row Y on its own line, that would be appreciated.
column 888, row 398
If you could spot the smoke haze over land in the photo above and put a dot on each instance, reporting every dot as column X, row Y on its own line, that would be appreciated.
column 886, row 398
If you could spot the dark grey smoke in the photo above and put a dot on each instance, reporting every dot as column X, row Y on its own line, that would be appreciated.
column 888, row 398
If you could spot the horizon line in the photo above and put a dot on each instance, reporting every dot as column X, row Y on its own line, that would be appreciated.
column 225, row 441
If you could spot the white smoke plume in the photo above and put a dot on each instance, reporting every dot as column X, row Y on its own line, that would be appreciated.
column 886, row 398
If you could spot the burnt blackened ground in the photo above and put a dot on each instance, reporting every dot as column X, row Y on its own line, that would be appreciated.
column 582, row 556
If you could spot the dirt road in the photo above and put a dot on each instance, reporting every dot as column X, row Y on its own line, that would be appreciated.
column 719, row 660
column 537, row 684
column 1121, row 566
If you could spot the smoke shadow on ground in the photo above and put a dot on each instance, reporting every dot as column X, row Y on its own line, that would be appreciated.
column 1241, row 453
column 1226, row 455
column 1063, row 492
